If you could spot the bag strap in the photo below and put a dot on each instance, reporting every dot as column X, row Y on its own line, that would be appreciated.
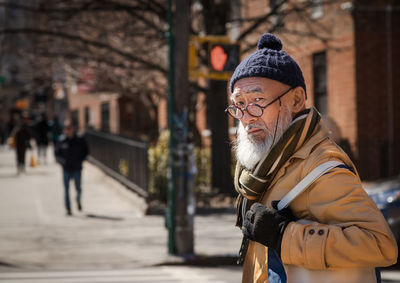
column 307, row 181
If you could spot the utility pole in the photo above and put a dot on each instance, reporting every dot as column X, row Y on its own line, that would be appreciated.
column 184, row 206
column 170, row 213
column 181, row 204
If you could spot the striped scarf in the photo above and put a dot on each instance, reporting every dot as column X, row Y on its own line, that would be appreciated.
column 251, row 185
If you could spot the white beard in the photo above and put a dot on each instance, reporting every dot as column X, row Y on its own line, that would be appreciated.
column 249, row 151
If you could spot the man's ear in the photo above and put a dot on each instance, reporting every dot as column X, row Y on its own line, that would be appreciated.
column 297, row 100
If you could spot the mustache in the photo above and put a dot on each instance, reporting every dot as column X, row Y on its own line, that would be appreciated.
column 254, row 126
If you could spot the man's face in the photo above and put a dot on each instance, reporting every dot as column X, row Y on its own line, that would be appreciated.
column 69, row 131
column 256, row 135
column 260, row 91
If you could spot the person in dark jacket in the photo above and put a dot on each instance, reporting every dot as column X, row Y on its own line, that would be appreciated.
column 71, row 150
column 22, row 136
column 55, row 129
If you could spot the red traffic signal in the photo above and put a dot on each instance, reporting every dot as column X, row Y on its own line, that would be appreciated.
column 223, row 57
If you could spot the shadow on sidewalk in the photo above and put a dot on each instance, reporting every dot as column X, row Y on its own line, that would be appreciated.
column 202, row 260
column 160, row 210
column 104, row 217
column 6, row 264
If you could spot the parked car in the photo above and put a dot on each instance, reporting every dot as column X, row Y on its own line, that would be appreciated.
column 386, row 195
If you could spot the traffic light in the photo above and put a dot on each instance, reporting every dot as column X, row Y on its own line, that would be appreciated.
column 223, row 57
column 220, row 54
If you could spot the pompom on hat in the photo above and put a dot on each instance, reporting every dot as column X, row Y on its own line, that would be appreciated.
column 269, row 61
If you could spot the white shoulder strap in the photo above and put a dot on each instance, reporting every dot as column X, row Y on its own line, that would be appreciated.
column 307, row 181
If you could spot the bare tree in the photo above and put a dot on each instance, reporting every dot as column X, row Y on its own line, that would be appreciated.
column 123, row 42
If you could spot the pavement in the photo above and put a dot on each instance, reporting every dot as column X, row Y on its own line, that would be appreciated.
column 39, row 241
column 111, row 240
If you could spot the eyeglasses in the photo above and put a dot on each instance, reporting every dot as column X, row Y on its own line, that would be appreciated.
column 253, row 109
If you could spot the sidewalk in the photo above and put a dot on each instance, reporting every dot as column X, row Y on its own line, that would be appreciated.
column 111, row 231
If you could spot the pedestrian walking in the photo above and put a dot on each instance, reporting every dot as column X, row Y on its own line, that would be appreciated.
column 301, row 201
column 42, row 140
column 56, row 129
column 70, row 151
column 3, row 132
column 21, row 136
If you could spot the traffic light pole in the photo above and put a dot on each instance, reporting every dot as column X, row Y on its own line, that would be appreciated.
column 170, row 214
column 180, row 213
column 183, row 155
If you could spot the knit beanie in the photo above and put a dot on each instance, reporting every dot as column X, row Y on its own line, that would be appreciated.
column 270, row 61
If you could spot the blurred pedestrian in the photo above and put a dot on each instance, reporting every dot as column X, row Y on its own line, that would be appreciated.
column 42, row 139
column 11, row 124
column 3, row 132
column 325, row 230
column 55, row 129
column 21, row 136
column 70, row 151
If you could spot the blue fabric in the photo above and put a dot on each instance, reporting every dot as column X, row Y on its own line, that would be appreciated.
column 270, row 61
column 344, row 166
column 76, row 176
column 273, row 277
column 276, row 271
column 378, row 275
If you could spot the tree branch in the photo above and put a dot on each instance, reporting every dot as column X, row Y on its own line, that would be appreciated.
column 98, row 44
column 261, row 20
column 275, row 11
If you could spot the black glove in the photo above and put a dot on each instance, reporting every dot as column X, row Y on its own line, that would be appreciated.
column 266, row 226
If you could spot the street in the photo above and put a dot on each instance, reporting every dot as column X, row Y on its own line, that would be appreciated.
column 111, row 240
column 142, row 275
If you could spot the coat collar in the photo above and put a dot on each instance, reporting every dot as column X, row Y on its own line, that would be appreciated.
column 321, row 133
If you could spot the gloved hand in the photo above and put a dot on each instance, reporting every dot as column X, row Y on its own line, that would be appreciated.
column 266, row 226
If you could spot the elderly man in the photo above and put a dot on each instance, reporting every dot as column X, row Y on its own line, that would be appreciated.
column 331, row 231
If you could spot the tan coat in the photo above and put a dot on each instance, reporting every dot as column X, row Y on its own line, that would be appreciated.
column 345, row 228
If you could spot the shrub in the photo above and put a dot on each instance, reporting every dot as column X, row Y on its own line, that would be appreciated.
column 158, row 166
column 158, row 169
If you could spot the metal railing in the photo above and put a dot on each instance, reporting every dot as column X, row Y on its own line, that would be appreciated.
column 122, row 158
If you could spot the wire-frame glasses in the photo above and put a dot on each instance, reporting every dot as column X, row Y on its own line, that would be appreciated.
column 253, row 109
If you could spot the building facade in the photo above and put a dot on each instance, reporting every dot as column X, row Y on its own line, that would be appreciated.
column 349, row 52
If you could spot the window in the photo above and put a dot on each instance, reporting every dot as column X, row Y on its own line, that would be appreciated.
column 317, row 9
column 105, row 117
column 319, row 72
column 87, row 117
column 273, row 3
column 75, row 117
column 277, row 17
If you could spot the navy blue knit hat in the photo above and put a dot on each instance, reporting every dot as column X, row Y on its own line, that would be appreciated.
column 270, row 61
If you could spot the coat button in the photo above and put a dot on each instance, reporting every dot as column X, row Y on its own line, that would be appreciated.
column 321, row 232
column 311, row 232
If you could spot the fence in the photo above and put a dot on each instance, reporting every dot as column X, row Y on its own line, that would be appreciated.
column 122, row 158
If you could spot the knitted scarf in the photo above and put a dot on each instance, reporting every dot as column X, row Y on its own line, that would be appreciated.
column 251, row 184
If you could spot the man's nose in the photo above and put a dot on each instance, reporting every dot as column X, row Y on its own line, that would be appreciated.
column 247, row 118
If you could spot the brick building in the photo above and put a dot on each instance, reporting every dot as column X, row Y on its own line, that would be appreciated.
column 110, row 113
column 349, row 52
